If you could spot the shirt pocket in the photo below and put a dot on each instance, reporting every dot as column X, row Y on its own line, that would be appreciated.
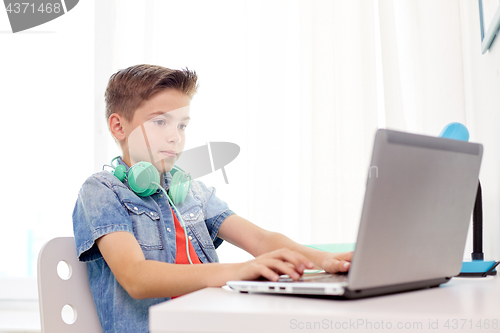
column 145, row 225
column 195, row 221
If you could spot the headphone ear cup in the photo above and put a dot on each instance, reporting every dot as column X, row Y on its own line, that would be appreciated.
column 179, row 187
column 142, row 177
column 120, row 172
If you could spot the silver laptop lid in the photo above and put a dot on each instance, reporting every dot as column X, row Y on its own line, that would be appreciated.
column 418, row 202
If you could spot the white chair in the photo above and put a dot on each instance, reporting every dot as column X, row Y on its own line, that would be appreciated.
column 71, row 292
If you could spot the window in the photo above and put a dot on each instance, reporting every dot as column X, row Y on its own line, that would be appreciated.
column 47, row 135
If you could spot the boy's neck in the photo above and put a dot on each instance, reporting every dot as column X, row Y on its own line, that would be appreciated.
column 162, row 179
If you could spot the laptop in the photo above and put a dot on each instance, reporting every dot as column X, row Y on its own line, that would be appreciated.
column 419, row 197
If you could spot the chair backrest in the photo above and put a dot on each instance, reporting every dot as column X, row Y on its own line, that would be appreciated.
column 71, row 292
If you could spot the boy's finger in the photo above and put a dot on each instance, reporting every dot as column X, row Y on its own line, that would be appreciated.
column 299, row 261
column 282, row 268
column 268, row 273
column 344, row 266
column 345, row 256
column 335, row 266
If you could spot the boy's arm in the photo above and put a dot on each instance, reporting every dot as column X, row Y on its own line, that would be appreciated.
column 143, row 278
column 257, row 241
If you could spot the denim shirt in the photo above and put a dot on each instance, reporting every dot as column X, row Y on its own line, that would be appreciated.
column 106, row 205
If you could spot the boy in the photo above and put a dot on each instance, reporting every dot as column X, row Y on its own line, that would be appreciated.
column 135, row 246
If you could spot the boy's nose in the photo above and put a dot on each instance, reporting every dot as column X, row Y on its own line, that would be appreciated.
column 174, row 137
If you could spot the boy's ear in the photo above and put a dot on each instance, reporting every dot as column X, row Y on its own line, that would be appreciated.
column 115, row 123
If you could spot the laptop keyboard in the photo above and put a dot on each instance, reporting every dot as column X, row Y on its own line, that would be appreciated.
column 316, row 277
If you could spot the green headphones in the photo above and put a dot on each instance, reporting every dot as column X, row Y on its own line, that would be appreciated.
column 144, row 179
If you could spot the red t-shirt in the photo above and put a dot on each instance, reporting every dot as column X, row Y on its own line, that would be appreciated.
column 180, row 242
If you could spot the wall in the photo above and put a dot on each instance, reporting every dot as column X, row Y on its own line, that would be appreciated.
column 482, row 98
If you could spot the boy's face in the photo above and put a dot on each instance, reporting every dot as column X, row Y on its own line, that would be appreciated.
column 156, row 133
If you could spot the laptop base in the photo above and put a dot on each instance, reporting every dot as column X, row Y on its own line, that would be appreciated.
column 393, row 289
column 364, row 293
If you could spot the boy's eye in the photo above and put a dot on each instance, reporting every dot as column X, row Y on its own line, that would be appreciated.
column 182, row 127
column 159, row 122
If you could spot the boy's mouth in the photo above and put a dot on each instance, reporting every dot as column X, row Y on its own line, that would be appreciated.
column 169, row 153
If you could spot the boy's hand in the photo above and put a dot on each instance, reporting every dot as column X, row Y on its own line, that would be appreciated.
column 271, row 265
column 337, row 262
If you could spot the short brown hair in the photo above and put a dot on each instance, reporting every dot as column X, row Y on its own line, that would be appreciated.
column 129, row 87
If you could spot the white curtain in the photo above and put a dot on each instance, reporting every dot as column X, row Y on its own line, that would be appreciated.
column 301, row 87
column 46, row 138
column 293, row 83
column 423, row 66
column 434, row 74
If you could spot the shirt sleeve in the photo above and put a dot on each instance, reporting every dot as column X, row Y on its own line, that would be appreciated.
column 97, row 212
column 215, row 210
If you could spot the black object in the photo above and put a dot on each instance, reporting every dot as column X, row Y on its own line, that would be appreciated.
column 477, row 226
column 477, row 254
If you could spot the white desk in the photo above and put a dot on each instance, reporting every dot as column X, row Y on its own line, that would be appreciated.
column 460, row 305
